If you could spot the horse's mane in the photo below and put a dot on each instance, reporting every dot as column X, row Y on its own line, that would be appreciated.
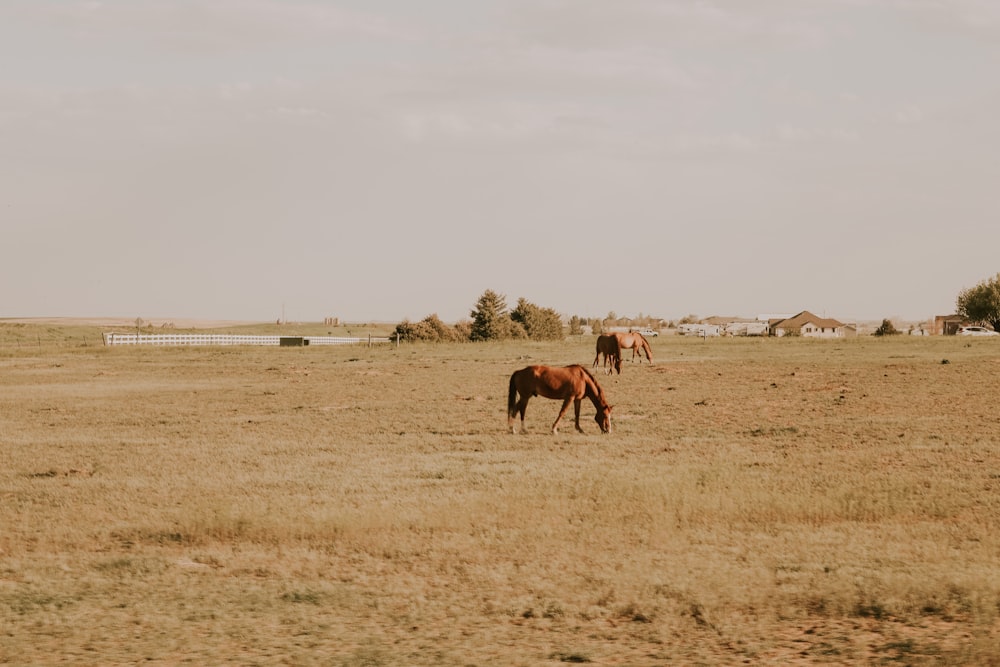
column 598, row 389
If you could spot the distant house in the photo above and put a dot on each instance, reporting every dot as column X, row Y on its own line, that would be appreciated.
column 807, row 325
column 948, row 325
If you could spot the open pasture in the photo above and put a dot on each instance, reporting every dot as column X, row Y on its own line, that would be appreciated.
column 757, row 501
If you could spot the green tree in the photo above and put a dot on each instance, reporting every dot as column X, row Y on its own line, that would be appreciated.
column 490, row 319
column 539, row 323
column 886, row 329
column 981, row 303
column 575, row 326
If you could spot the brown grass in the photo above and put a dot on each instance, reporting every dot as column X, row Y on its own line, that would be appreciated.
column 758, row 502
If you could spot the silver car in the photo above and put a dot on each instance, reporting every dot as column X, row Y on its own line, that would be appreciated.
column 977, row 331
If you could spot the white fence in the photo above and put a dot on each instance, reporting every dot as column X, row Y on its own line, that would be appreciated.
column 234, row 339
column 344, row 340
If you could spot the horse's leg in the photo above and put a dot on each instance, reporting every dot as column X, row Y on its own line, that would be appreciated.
column 511, row 412
column 562, row 411
column 519, row 409
column 576, row 411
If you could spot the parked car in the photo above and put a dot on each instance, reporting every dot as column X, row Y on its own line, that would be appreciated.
column 977, row 331
column 649, row 332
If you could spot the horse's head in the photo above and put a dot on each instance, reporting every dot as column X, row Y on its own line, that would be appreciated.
column 603, row 418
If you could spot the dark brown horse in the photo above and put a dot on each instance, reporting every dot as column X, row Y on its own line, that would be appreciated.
column 610, row 347
column 635, row 341
column 569, row 383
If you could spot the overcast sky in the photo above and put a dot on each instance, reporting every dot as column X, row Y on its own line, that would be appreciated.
column 382, row 160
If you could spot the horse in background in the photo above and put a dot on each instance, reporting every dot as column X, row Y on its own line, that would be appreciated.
column 637, row 343
column 569, row 383
column 610, row 347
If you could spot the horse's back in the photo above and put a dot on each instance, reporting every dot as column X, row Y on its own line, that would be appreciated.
column 608, row 343
column 632, row 339
column 626, row 340
column 552, row 381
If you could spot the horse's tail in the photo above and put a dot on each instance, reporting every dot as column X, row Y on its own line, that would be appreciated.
column 512, row 394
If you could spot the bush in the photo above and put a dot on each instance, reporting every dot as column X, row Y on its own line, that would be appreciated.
column 431, row 328
column 886, row 329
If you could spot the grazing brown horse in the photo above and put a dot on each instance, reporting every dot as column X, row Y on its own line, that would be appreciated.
column 637, row 343
column 610, row 347
column 569, row 383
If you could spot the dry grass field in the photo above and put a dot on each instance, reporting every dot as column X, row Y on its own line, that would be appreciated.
column 757, row 502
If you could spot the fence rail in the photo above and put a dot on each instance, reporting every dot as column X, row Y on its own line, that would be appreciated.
column 345, row 340
column 234, row 339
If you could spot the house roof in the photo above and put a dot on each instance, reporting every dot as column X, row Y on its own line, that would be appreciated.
column 805, row 317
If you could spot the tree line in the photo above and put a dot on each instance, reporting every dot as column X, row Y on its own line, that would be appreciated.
column 491, row 319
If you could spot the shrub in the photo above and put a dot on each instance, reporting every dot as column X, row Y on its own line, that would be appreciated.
column 886, row 329
column 431, row 328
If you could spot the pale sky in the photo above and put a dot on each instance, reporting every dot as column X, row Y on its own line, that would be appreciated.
column 383, row 160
